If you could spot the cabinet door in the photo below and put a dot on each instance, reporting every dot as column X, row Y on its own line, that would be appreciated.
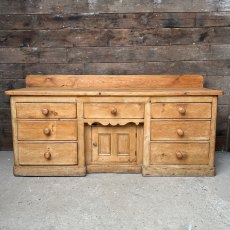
column 114, row 144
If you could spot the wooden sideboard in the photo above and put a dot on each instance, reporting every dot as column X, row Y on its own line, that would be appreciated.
column 71, row 125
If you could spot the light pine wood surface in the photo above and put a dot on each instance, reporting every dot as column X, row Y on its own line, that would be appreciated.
column 181, row 110
column 115, row 81
column 68, row 125
column 57, row 153
column 180, row 130
column 46, row 110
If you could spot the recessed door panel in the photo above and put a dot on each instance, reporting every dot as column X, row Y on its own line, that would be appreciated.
column 114, row 144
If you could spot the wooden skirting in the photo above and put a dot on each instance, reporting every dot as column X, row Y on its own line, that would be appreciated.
column 178, row 170
column 49, row 171
column 113, row 169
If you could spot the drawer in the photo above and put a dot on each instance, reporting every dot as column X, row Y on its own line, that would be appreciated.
column 47, row 154
column 180, row 130
column 46, row 110
column 47, row 130
column 114, row 110
column 179, row 153
column 181, row 110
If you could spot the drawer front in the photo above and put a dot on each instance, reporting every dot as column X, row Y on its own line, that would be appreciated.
column 179, row 153
column 47, row 154
column 46, row 110
column 114, row 110
column 180, row 130
column 47, row 130
column 181, row 110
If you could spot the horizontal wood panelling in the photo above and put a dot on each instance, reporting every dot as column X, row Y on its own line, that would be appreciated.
column 115, row 54
column 70, row 6
column 19, row 55
column 11, row 71
column 6, row 84
column 113, row 21
column 114, row 37
column 5, row 130
column 45, row 68
column 103, row 21
column 149, row 54
column 218, row 82
column 179, row 67
column 222, row 115
column 33, row 55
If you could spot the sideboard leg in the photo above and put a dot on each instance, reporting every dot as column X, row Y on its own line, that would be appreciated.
column 81, row 142
column 146, row 152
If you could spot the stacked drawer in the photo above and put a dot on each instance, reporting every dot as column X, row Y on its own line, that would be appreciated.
column 47, row 133
column 180, row 132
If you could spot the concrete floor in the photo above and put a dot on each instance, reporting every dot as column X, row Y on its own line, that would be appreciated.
column 115, row 201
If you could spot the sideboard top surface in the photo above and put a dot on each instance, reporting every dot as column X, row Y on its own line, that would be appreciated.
column 114, row 85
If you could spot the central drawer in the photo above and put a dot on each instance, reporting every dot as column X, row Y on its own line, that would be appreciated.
column 114, row 110
column 47, row 130
column 180, row 130
column 47, row 153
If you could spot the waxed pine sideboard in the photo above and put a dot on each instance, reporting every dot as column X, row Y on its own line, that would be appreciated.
column 71, row 125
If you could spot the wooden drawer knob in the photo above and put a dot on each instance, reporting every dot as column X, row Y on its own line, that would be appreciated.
column 47, row 131
column 47, row 155
column 45, row 112
column 179, row 155
column 95, row 144
column 114, row 111
column 180, row 132
column 181, row 110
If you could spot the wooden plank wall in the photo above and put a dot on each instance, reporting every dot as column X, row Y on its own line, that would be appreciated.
column 114, row 37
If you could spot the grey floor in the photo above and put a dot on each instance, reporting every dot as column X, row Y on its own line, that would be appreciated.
column 115, row 201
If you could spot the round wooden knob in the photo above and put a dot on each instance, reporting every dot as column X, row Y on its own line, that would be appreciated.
column 114, row 111
column 45, row 111
column 179, row 155
column 46, row 131
column 181, row 110
column 180, row 132
column 47, row 155
column 95, row 144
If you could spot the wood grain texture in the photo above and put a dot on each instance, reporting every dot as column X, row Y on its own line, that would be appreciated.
column 114, row 21
column 46, row 110
column 112, row 92
column 181, row 110
column 163, row 170
column 75, row 37
column 69, row 170
column 81, row 135
column 213, row 133
column 60, row 153
column 57, row 130
column 108, row 81
column 113, row 110
column 111, row 6
column 114, row 145
column 150, row 54
column 168, row 130
column 113, row 168
column 114, row 37
column 147, row 133
column 192, row 153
